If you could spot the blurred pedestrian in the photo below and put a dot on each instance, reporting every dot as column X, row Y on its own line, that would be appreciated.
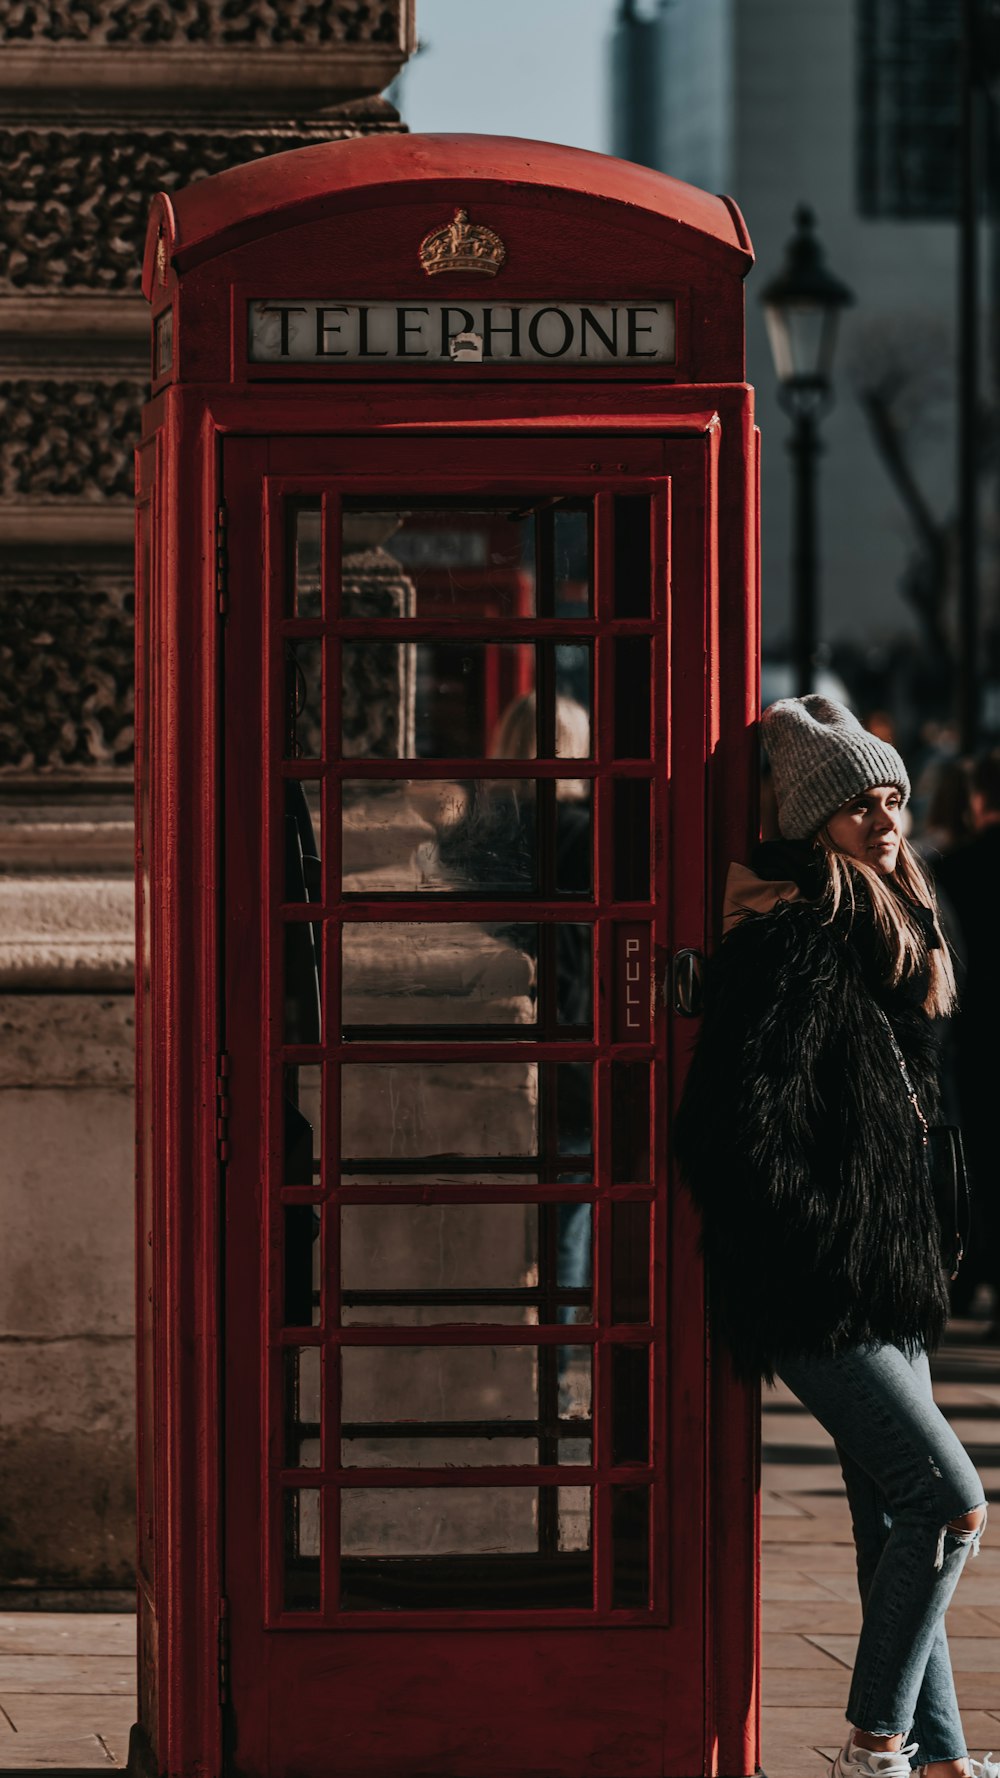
column 970, row 878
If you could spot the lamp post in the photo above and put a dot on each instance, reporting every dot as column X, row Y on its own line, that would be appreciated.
column 802, row 307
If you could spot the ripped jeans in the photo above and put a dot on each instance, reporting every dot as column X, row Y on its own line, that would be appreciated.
column 907, row 1475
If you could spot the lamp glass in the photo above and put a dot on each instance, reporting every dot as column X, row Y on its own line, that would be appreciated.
column 802, row 336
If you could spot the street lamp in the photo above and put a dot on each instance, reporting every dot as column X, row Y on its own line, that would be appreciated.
column 802, row 308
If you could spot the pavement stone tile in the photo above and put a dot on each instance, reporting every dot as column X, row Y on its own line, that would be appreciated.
column 784, row 1650
column 820, row 1559
column 67, row 1674
column 793, row 1585
column 33, row 1712
column 969, row 1654
column 772, row 1507
column 806, row 1617
column 67, row 1632
column 49, row 1753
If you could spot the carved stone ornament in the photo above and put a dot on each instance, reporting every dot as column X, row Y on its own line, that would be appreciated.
column 462, row 246
column 308, row 23
column 66, row 673
column 68, row 440
column 83, row 195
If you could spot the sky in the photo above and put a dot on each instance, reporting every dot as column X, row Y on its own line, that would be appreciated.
column 511, row 68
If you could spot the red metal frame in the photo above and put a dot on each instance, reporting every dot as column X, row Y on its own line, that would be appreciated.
column 624, row 221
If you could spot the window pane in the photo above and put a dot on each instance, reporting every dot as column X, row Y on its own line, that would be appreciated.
column 302, row 1549
column 630, row 1262
column 466, row 1121
column 303, row 1100
column 303, row 699
column 630, row 1404
column 426, row 1263
column 630, row 1544
column 303, row 872
column 573, row 709
column 571, row 542
column 456, row 1521
column 303, row 947
column 303, row 1408
column 631, row 839
column 630, row 1157
column 632, row 692
column 459, row 559
column 441, row 836
column 401, row 978
column 632, row 555
column 305, row 577
column 303, row 1265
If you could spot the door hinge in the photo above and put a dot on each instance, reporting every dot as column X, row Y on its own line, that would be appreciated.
column 222, row 1105
column 223, row 1650
column 222, row 558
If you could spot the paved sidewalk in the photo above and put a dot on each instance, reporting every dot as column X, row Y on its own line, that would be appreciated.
column 811, row 1613
column 67, row 1679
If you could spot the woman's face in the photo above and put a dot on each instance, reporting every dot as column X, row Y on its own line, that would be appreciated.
column 868, row 827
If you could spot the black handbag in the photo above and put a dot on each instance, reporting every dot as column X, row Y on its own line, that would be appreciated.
column 945, row 1157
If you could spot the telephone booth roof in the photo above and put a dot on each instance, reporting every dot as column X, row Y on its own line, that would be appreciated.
column 281, row 191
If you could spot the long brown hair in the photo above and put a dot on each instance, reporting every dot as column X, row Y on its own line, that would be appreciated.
column 902, row 937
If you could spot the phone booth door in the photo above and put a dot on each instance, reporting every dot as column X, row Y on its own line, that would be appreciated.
column 463, row 1490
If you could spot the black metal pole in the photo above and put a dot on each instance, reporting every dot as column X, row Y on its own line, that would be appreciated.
column 804, row 448
column 968, row 372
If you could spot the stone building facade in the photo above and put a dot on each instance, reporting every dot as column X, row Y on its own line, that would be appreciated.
column 102, row 103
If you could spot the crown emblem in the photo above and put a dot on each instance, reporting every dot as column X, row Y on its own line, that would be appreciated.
column 462, row 246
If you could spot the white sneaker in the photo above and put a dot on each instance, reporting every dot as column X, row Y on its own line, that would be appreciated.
column 864, row 1762
column 984, row 1768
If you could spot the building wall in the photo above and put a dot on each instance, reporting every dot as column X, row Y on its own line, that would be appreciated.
column 789, row 137
column 100, row 107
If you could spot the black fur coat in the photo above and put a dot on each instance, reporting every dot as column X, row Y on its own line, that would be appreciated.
column 801, row 1148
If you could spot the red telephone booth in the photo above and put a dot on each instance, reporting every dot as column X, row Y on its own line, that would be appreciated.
column 447, row 633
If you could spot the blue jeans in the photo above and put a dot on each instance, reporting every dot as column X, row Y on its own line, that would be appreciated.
column 907, row 1475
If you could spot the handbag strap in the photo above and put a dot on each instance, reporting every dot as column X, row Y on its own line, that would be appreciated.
column 911, row 1091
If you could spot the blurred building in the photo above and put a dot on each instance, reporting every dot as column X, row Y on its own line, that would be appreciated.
column 851, row 108
column 100, row 106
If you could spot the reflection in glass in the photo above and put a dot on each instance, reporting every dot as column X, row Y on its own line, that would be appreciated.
column 471, row 700
column 630, row 1404
column 630, row 1157
column 440, row 836
column 303, row 1409
column 305, row 524
column 303, row 699
column 402, row 978
column 630, row 1262
column 632, row 693
column 632, row 555
column 303, row 1265
column 630, row 1548
column 631, row 839
column 303, row 871
column 423, row 1263
column 303, row 947
column 302, row 1549
column 465, row 1121
column 460, row 559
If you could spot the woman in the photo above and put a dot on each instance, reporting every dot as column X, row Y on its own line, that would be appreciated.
column 801, row 1136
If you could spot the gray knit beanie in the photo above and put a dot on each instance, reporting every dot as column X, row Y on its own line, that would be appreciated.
column 821, row 757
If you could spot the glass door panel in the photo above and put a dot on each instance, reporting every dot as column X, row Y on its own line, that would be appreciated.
column 464, row 770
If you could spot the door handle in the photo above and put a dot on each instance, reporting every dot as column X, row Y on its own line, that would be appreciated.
column 687, row 972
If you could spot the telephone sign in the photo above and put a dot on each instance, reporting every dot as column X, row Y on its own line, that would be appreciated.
column 530, row 333
column 447, row 643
